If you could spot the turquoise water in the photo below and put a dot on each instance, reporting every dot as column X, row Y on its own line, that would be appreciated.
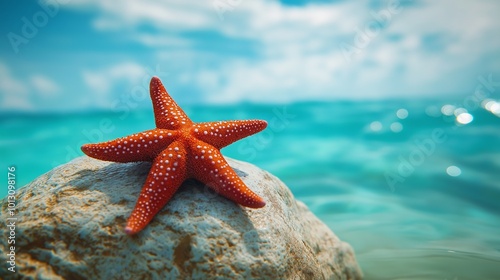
column 414, row 192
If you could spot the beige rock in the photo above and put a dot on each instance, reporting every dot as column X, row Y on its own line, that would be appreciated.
column 71, row 220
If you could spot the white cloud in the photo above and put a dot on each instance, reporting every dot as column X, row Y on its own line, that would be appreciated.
column 44, row 85
column 298, row 53
column 10, row 84
column 116, row 84
column 14, row 94
column 155, row 41
column 101, row 81
column 36, row 92
column 188, row 14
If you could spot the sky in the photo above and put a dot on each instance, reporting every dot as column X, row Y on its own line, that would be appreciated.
column 79, row 55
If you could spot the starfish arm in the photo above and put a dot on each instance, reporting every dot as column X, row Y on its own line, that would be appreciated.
column 221, row 134
column 168, row 114
column 210, row 167
column 165, row 177
column 142, row 146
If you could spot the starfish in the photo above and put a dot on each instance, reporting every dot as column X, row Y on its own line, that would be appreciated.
column 179, row 149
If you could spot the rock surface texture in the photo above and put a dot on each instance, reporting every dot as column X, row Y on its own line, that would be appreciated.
column 71, row 220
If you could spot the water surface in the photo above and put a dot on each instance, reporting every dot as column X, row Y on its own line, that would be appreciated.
column 416, row 193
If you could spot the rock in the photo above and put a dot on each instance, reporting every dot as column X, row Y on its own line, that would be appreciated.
column 71, row 220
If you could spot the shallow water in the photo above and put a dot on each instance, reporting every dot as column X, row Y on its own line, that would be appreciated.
column 421, row 224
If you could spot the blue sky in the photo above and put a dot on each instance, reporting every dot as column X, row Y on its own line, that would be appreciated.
column 74, row 55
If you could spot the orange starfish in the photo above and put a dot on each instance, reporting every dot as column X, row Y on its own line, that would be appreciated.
column 179, row 149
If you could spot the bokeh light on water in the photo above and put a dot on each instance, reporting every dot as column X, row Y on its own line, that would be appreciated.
column 453, row 171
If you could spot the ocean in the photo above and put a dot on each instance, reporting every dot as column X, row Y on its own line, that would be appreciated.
column 412, row 185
